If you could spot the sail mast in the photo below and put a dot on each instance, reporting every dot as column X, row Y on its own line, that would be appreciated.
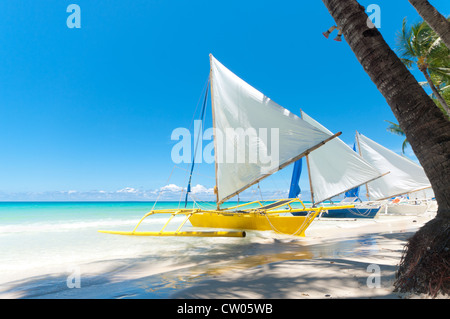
column 336, row 168
column 244, row 151
column 311, row 188
column 309, row 172
column 360, row 154
column 216, row 187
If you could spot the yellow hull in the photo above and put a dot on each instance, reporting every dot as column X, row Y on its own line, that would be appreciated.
column 291, row 225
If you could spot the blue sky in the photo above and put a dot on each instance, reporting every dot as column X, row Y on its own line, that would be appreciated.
column 93, row 109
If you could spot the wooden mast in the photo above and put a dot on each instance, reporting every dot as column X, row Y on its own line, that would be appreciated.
column 310, row 181
column 275, row 169
column 360, row 154
column 309, row 171
column 216, row 188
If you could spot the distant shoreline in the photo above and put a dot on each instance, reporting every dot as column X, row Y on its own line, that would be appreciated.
column 124, row 201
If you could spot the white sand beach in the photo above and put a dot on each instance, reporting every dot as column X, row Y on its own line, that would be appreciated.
column 337, row 259
column 378, row 245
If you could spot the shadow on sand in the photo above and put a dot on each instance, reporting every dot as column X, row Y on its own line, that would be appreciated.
column 277, row 269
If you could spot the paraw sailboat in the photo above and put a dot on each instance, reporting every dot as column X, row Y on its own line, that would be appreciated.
column 242, row 117
column 406, row 177
column 334, row 169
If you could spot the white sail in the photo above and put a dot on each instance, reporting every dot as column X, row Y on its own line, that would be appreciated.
column 254, row 136
column 335, row 168
column 405, row 176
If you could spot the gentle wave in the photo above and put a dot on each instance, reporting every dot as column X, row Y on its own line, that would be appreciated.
column 78, row 225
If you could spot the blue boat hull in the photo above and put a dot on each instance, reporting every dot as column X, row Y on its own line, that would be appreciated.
column 355, row 212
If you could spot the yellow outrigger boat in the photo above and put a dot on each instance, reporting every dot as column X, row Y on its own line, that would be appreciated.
column 236, row 105
column 263, row 218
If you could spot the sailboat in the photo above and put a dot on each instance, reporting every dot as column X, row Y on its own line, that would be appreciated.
column 406, row 177
column 336, row 169
column 242, row 117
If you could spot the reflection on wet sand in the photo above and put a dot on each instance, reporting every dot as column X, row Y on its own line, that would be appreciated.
column 262, row 254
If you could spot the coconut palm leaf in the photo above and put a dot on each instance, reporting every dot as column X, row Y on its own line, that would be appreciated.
column 397, row 130
column 419, row 46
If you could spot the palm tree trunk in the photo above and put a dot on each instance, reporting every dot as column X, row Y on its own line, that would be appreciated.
column 428, row 132
column 435, row 20
column 435, row 91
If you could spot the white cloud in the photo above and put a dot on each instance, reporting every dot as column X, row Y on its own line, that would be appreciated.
column 171, row 188
column 127, row 190
column 170, row 192
column 200, row 189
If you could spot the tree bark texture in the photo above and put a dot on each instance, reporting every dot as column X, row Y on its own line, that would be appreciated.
column 425, row 126
column 424, row 267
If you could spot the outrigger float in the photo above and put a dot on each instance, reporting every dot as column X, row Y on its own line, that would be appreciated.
column 238, row 107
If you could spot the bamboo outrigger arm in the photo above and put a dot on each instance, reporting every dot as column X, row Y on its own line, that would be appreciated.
column 178, row 232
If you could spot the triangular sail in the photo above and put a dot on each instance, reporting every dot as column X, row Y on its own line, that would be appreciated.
column 254, row 136
column 405, row 176
column 335, row 168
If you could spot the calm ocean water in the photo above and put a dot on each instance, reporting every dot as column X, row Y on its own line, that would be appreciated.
column 45, row 245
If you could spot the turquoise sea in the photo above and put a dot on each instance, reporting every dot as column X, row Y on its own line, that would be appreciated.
column 54, row 250
column 42, row 244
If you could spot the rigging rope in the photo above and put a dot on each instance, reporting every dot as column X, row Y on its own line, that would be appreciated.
column 260, row 194
column 202, row 118
column 160, row 191
column 307, row 218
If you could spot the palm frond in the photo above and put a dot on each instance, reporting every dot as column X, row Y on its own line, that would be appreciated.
column 418, row 45
column 404, row 145
column 397, row 130
column 409, row 63
column 404, row 46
